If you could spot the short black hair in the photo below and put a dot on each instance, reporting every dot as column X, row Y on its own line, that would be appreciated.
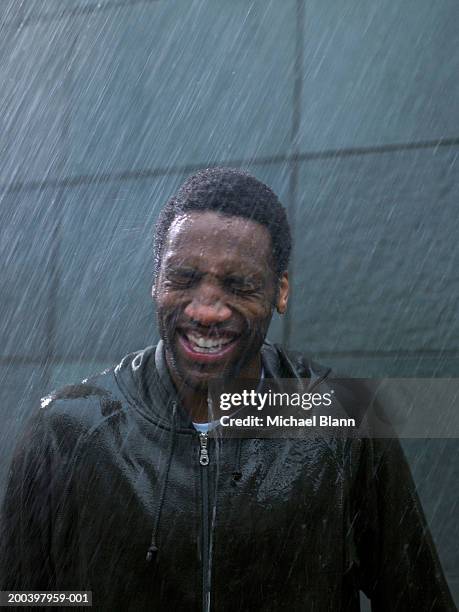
column 232, row 192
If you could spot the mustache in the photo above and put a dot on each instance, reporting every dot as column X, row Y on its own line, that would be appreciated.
column 175, row 319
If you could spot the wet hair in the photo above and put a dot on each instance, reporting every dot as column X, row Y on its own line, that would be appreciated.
column 234, row 193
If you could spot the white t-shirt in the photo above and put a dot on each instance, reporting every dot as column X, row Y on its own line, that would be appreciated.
column 206, row 427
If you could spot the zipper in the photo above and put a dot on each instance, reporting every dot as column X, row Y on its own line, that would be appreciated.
column 203, row 452
column 204, row 462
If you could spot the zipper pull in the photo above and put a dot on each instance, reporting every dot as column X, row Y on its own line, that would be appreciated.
column 203, row 453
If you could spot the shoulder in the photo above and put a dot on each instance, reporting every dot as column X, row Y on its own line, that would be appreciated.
column 75, row 410
column 288, row 363
column 354, row 396
column 98, row 398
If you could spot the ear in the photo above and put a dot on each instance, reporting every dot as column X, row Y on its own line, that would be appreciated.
column 282, row 296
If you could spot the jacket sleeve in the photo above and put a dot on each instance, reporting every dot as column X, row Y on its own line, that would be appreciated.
column 27, row 513
column 398, row 566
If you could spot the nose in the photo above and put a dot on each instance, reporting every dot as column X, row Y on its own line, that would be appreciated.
column 207, row 306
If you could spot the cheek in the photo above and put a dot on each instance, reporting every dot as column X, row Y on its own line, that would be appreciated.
column 169, row 301
column 257, row 315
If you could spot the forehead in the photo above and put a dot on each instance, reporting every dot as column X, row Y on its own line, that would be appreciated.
column 213, row 240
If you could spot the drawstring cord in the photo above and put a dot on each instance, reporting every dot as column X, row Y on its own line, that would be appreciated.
column 153, row 549
column 237, row 472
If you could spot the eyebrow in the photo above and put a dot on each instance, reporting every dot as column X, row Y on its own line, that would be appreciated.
column 187, row 272
column 241, row 280
column 177, row 269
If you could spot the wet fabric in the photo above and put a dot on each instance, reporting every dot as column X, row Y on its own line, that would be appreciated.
column 269, row 524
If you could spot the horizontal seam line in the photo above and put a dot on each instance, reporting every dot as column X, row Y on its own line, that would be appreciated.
column 142, row 174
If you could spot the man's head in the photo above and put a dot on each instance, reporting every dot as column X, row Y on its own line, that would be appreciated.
column 222, row 248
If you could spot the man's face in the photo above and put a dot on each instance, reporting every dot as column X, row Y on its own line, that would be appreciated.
column 215, row 293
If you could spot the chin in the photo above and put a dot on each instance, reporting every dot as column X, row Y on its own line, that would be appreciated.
column 199, row 381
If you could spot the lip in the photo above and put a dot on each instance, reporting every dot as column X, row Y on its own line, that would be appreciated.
column 214, row 357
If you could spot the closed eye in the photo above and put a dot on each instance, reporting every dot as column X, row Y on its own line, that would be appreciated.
column 182, row 279
column 243, row 288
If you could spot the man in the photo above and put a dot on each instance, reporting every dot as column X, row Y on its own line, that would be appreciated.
column 118, row 489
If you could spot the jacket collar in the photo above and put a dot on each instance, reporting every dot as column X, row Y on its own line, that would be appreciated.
column 144, row 379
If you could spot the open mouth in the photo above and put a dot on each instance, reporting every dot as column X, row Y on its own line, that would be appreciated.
column 206, row 348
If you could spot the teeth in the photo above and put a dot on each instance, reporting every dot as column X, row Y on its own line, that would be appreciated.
column 207, row 345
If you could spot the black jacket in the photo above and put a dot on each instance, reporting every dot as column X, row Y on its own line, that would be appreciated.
column 108, row 474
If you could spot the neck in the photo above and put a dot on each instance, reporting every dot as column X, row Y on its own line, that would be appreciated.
column 194, row 401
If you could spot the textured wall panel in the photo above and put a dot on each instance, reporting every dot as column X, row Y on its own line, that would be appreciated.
column 166, row 83
column 379, row 72
column 435, row 467
column 376, row 253
column 28, row 234
column 32, row 101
